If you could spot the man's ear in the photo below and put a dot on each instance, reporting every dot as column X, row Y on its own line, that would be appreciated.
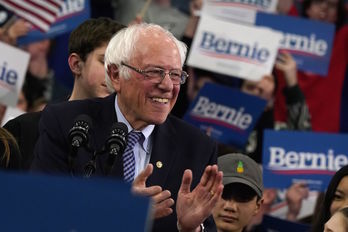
column 113, row 72
column 75, row 64
column 258, row 206
column 114, row 76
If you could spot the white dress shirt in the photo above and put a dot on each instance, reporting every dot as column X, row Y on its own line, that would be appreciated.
column 143, row 148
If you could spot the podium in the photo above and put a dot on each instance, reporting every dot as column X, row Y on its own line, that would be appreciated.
column 50, row 203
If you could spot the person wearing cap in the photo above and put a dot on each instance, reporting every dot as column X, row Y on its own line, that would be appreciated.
column 242, row 194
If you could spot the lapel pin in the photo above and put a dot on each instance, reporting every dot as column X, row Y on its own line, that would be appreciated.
column 159, row 164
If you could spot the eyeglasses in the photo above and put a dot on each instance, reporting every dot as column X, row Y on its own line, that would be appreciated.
column 156, row 75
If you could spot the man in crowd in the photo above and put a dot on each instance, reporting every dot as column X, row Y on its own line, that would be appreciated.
column 242, row 194
column 144, row 66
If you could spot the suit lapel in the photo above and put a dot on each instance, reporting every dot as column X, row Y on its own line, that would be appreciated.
column 163, row 153
column 163, row 141
column 105, row 116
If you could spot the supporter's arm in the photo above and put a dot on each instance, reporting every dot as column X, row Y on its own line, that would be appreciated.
column 189, row 33
column 294, row 197
column 298, row 114
column 195, row 6
column 19, row 28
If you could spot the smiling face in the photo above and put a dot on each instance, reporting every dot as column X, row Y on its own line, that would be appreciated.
column 140, row 101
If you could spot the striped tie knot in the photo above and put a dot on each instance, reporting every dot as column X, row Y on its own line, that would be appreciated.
column 128, row 156
column 133, row 137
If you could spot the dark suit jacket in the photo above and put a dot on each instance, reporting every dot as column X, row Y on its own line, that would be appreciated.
column 25, row 129
column 176, row 144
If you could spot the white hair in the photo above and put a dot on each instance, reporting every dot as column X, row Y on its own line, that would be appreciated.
column 123, row 45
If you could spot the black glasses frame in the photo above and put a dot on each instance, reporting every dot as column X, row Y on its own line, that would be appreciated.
column 183, row 76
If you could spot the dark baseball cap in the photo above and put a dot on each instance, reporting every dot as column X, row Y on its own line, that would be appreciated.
column 239, row 168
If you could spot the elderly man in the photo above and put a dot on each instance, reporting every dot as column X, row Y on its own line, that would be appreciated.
column 144, row 66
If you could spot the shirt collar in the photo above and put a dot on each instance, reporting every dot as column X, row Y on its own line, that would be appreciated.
column 147, row 131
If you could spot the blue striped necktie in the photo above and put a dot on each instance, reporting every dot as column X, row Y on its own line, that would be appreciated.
column 128, row 156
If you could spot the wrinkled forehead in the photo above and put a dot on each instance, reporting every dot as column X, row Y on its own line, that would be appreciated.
column 155, row 41
column 153, row 36
column 151, row 32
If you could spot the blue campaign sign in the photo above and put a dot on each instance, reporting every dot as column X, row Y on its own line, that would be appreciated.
column 56, row 204
column 310, row 44
column 72, row 14
column 291, row 156
column 226, row 114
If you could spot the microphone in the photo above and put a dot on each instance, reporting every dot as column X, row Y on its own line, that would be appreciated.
column 78, row 136
column 115, row 144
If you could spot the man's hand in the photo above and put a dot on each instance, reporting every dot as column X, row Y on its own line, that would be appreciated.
column 161, row 199
column 286, row 63
column 194, row 207
column 19, row 28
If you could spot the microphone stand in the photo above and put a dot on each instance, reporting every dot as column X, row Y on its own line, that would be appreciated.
column 91, row 166
column 71, row 160
column 115, row 144
column 72, row 155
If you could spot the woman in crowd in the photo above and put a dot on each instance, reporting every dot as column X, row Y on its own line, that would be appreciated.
column 336, row 197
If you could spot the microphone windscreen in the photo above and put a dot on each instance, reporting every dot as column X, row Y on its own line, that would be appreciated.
column 78, row 134
column 84, row 118
column 120, row 127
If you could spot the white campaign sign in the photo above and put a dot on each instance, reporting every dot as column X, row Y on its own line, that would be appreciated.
column 13, row 67
column 232, row 49
column 238, row 10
